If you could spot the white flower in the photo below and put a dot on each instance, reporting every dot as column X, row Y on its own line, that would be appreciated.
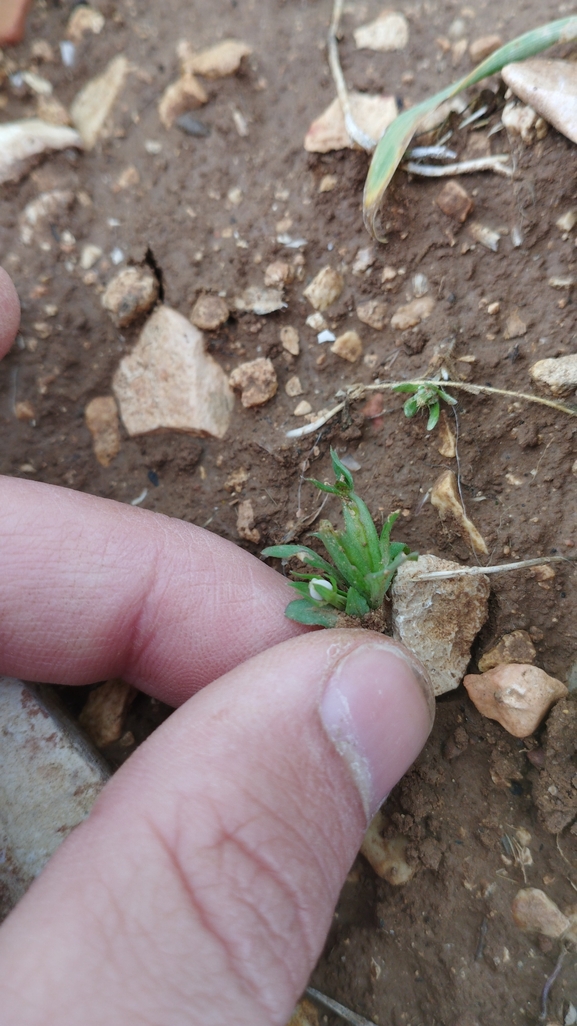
column 315, row 584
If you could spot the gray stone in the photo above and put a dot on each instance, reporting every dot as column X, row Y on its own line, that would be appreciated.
column 438, row 620
column 50, row 777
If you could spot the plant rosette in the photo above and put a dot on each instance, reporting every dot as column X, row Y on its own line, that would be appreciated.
column 351, row 585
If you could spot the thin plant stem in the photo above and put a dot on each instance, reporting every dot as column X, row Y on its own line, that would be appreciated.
column 472, row 571
column 335, row 1006
column 355, row 132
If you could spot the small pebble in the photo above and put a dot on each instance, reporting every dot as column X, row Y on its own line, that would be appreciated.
column 516, row 647
column 209, row 313
column 557, row 375
column 289, row 338
column 455, row 201
column 192, row 126
column 517, row 695
column 534, row 912
column 245, row 522
column 293, row 387
column 373, row 313
column 131, row 293
column 324, row 289
column 413, row 313
column 303, row 409
column 101, row 417
column 348, row 346
column 483, row 47
column 515, row 326
column 256, row 380
column 326, row 336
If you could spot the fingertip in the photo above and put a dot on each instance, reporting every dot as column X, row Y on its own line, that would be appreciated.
column 9, row 312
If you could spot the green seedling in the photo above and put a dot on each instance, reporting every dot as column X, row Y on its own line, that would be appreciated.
column 425, row 397
column 361, row 565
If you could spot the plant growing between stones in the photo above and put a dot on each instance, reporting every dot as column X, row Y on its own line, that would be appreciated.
column 425, row 397
column 361, row 565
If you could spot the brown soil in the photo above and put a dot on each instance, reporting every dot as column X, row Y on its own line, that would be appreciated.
column 444, row 946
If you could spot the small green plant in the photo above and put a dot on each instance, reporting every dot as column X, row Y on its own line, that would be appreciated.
column 361, row 563
column 425, row 397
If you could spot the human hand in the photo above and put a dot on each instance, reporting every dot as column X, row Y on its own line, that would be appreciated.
column 201, row 887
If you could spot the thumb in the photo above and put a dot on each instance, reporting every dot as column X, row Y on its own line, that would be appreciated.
column 201, row 887
column 9, row 312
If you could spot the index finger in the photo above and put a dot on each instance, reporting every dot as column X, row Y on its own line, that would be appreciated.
column 92, row 589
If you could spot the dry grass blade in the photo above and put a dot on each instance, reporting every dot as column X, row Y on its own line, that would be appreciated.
column 398, row 135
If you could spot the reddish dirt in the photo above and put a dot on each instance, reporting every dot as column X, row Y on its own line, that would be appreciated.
column 443, row 946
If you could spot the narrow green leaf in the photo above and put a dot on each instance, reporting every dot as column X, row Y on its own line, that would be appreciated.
column 434, row 414
column 302, row 552
column 308, row 612
column 386, row 535
column 411, row 407
column 341, row 471
column 324, row 487
column 409, row 387
column 356, row 604
column 446, row 397
column 398, row 135
column 331, row 542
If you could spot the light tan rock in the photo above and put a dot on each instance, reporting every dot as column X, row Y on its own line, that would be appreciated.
column 446, row 442
column 84, row 19
column 181, row 96
column 245, row 522
column 483, row 47
column 390, row 31
column 372, row 113
column 278, row 274
column 305, row 1014
column 567, row 221
column 413, row 313
column 104, row 713
column 445, row 497
column 24, row 410
column 364, row 259
column 325, row 288
column 168, row 381
column 516, row 647
column 101, row 417
column 303, row 409
column 22, row 143
column 455, row 201
column 534, row 912
column 487, row 237
column 92, row 106
column 328, row 183
column 129, row 294
column 348, row 346
column 290, row 341
column 517, row 695
column 373, row 313
column 256, row 380
column 557, row 375
column 127, row 179
column 215, row 61
column 519, row 119
column 209, row 313
column 236, row 480
column 35, row 219
column 438, row 620
column 550, row 87
column 52, row 111
column 261, row 301
column 515, row 326
column 293, row 387
column 387, row 855
column 89, row 256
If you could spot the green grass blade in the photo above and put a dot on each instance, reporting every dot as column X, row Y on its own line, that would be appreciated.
column 306, row 611
column 398, row 135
